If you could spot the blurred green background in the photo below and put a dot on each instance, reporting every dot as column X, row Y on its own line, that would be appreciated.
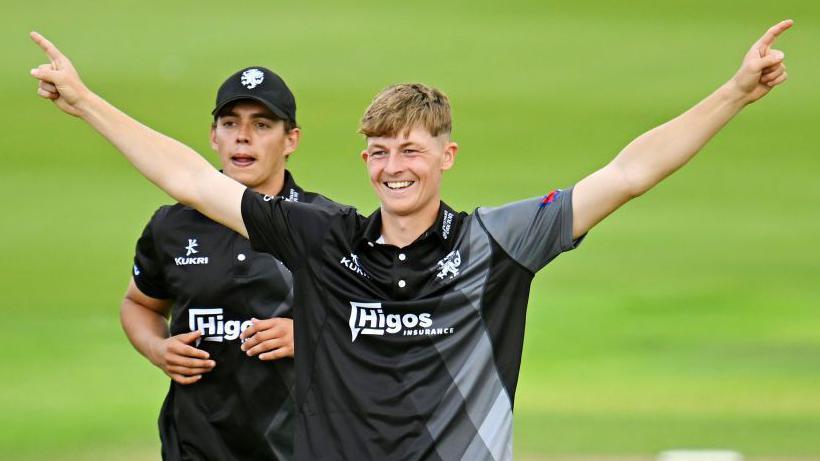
column 688, row 319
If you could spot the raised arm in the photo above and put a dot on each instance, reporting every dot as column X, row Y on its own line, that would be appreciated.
column 171, row 165
column 656, row 154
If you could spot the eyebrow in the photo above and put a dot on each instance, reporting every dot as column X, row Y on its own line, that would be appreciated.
column 404, row 144
column 254, row 115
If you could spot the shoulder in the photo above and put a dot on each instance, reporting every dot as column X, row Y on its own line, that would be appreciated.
column 168, row 217
column 321, row 205
column 160, row 216
column 320, row 200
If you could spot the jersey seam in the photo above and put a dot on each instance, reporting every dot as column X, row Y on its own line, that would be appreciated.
column 159, row 216
column 484, row 322
column 503, row 250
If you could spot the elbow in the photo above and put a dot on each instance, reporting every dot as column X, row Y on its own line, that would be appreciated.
column 182, row 188
column 184, row 199
column 634, row 182
column 126, row 307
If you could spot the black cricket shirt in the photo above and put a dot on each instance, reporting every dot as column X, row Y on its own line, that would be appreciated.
column 242, row 409
column 409, row 353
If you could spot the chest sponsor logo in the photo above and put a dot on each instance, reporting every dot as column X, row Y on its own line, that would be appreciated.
column 352, row 263
column 189, row 257
column 448, row 266
column 211, row 322
column 370, row 319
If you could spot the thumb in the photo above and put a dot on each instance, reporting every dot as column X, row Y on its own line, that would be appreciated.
column 259, row 322
column 773, row 58
column 188, row 338
column 45, row 72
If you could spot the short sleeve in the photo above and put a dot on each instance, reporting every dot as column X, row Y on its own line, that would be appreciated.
column 285, row 229
column 147, row 271
column 533, row 231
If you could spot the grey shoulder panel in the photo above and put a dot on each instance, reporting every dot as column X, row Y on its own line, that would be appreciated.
column 532, row 231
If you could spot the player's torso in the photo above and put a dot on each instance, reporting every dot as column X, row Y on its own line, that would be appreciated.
column 242, row 408
column 218, row 282
column 403, row 347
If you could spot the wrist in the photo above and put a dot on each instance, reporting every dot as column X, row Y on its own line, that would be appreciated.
column 88, row 104
column 734, row 93
column 153, row 350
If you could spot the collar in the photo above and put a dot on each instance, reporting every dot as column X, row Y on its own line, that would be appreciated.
column 444, row 229
column 290, row 190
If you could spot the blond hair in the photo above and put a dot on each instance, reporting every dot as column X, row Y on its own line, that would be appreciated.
column 402, row 107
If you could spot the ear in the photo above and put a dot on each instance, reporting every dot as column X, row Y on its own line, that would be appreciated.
column 365, row 156
column 213, row 137
column 450, row 151
column 292, row 141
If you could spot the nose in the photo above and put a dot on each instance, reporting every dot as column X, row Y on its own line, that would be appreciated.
column 395, row 163
column 243, row 135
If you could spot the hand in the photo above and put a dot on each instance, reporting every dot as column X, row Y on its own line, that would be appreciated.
column 59, row 81
column 184, row 363
column 762, row 68
column 270, row 339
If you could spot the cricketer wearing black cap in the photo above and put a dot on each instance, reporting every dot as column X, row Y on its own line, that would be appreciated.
column 226, row 401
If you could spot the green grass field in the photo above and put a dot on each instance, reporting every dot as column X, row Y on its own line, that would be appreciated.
column 690, row 318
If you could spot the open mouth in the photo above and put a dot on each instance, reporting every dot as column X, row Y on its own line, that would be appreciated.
column 242, row 160
column 398, row 185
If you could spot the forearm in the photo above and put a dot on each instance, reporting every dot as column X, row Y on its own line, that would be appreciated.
column 143, row 327
column 659, row 152
column 168, row 163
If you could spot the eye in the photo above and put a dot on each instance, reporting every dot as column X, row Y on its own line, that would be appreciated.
column 228, row 123
column 409, row 150
column 378, row 153
column 262, row 125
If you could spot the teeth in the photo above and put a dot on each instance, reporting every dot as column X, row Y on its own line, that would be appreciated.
column 399, row 184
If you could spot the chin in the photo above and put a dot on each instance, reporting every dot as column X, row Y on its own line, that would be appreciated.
column 398, row 209
column 247, row 178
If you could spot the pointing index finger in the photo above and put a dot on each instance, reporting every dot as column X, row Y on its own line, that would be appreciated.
column 48, row 48
column 767, row 40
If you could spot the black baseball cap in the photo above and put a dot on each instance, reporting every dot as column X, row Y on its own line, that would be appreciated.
column 259, row 84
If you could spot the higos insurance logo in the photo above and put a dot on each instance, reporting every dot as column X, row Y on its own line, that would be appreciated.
column 370, row 319
column 212, row 324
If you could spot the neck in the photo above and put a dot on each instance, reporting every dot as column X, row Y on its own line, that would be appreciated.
column 272, row 187
column 402, row 230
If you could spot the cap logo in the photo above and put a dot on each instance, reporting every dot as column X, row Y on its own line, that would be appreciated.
column 251, row 78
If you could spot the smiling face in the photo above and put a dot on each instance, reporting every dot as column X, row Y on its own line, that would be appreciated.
column 253, row 145
column 405, row 170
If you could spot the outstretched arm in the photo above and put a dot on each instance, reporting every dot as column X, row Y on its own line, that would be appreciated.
column 169, row 164
column 659, row 152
